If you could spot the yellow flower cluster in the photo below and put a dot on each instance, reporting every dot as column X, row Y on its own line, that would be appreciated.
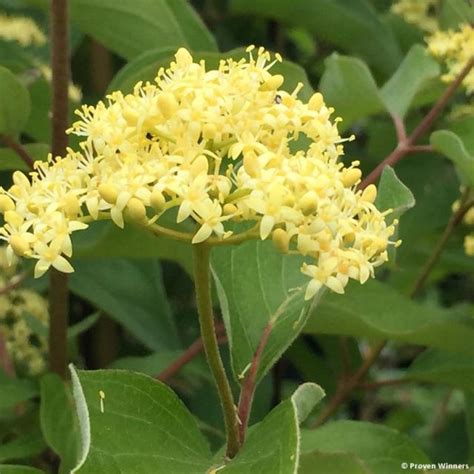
column 22, row 30
column 217, row 148
column 468, row 219
column 421, row 13
column 26, row 348
column 455, row 49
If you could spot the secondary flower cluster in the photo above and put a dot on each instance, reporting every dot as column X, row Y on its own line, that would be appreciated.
column 217, row 148
column 22, row 30
column 468, row 219
column 421, row 13
column 455, row 49
column 21, row 310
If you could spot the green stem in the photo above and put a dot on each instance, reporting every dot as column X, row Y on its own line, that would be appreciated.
column 202, row 282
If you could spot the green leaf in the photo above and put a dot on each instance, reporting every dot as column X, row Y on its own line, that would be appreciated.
column 23, row 446
column 143, row 428
column 83, row 325
column 443, row 367
column 451, row 146
column 14, row 103
column 393, row 194
column 15, row 469
column 272, row 446
column 409, row 79
column 380, row 448
column 131, row 292
column 463, row 129
column 105, row 239
column 145, row 68
column 129, row 28
column 9, row 160
column 348, row 86
column 255, row 284
column 353, row 26
column 13, row 390
column 59, row 422
column 469, row 417
column 331, row 463
column 362, row 312
column 455, row 12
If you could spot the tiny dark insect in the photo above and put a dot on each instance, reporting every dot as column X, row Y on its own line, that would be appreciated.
column 278, row 99
column 149, row 136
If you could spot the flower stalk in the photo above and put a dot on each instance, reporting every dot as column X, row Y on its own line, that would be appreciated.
column 202, row 282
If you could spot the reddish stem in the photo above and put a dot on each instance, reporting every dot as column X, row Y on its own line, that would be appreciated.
column 250, row 383
column 19, row 149
column 405, row 146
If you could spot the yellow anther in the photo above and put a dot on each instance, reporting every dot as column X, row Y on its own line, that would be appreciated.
column 351, row 176
column 229, row 209
column 272, row 83
column 13, row 218
column 370, row 193
column 167, row 104
column 19, row 245
column 308, row 203
column 200, row 165
column 316, row 101
column 281, row 239
column 251, row 165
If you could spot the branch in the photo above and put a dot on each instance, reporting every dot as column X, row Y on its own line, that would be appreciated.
column 405, row 146
column 19, row 149
column 399, row 127
column 189, row 354
column 383, row 383
column 58, row 282
column 250, row 383
column 5, row 359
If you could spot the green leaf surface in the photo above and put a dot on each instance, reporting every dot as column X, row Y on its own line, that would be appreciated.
column 469, row 418
column 59, row 422
column 393, row 194
column 455, row 12
column 348, row 86
column 255, row 284
column 131, row 292
column 408, row 80
column 380, row 448
column 272, row 446
column 452, row 147
column 463, row 129
column 143, row 428
column 437, row 366
column 23, row 446
column 129, row 28
column 9, row 160
column 16, row 469
column 145, row 68
column 362, row 312
column 353, row 26
column 83, row 325
column 14, row 390
column 331, row 463
column 14, row 103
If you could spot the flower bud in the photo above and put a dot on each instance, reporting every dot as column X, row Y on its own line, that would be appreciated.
column 272, row 83
column 136, row 210
column 183, row 57
column 369, row 194
column 229, row 209
column 167, row 104
column 308, row 203
column 6, row 204
column 108, row 192
column 351, row 176
column 157, row 200
column 71, row 205
column 209, row 131
column 19, row 245
column 281, row 239
column 316, row 102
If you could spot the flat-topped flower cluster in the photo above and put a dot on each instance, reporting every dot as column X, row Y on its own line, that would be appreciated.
column 455, row 48
column 217, row 147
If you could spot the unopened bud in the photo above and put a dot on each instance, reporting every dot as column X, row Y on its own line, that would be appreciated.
column 309, row 203
column 13, row 218
column 229, row 209
column 6, row 204
column 351, row 176
column 19, row 245
column 272, row 83
column 136, row 210
column 281, row 239
column 71, row 205
column 167, row 104
column 108, row 192
column 370, row 193
column 316, row 101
